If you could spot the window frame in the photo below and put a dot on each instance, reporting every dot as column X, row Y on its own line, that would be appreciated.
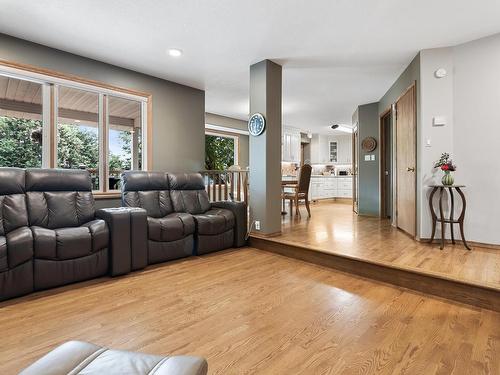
column 50, row 80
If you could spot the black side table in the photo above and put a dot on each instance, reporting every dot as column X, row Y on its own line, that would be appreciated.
column 450, row 220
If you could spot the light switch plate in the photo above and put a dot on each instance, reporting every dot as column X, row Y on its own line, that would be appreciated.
column 439, row 121
column 373, row 157
column 367, row 157
column 428, row 143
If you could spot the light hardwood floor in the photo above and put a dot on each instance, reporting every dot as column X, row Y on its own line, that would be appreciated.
column 334, row 228
column 253, row 312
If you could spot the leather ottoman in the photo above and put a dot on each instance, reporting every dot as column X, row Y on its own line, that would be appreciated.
column 77, row 357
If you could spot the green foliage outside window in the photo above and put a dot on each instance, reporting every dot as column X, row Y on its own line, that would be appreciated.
column 219, row 152
column 78, row 147
column 20, row 143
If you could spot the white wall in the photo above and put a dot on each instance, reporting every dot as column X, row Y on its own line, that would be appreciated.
column 436, row 99
column 476, row 134
column 469, row 97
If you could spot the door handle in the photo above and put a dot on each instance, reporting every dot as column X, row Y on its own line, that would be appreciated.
column 410, row 169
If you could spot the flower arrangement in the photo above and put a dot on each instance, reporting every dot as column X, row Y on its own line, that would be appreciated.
column 446, row 165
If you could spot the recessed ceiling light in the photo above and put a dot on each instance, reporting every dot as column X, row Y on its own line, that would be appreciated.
column 174, row 52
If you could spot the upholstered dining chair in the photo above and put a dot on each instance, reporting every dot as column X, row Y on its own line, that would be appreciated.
column 300, row 190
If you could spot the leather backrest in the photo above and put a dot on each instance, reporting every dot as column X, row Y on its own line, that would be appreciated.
column 13, row 212
column 59, row 198
column 188, row 193
column 147, row 190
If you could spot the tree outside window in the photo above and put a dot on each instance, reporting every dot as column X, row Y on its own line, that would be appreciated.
column 219, row 152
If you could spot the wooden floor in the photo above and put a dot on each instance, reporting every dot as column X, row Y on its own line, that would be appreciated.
column 335, row 229
column 250, row 311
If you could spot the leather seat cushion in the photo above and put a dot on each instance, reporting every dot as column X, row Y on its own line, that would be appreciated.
column 73, row 242
column 172, row 227
column 70, row 243
column 215, row 221
column 77, row 357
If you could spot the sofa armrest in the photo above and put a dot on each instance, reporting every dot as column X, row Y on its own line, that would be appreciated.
column 239, row 210
column 127, row 237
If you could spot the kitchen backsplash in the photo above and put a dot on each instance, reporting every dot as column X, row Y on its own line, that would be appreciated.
column 291, row 169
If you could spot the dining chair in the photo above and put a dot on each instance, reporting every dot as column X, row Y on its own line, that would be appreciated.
column 300, row 190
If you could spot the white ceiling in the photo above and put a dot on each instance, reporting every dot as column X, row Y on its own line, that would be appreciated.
column 335, row 54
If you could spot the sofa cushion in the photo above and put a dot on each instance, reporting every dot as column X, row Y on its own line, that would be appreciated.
column 73, row 242
column 215, row 221
column 188, row 193
column 77, row 357
column 172, row 227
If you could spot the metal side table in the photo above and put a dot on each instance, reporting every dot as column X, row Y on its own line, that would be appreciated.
column 451, row 220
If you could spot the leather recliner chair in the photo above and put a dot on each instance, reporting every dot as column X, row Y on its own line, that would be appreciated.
column 219, row 225
column 70, row 244
column 16, row 240
column 170, row 234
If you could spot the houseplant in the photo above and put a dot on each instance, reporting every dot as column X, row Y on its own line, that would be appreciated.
column 446, row 165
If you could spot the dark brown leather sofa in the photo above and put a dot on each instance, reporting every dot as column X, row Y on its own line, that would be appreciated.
column 16, row 238
column 51, row 234
column 181, row 220
column 70, row 243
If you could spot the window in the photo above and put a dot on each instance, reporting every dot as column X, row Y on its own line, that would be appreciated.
column 221, row 151
column 48, row 120
column 21, row 123
column 78, row 131
column 124, row 138
column 333, row 152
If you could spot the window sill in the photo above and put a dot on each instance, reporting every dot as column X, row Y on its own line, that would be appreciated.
column 99, row 196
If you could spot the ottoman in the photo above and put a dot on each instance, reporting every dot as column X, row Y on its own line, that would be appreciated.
column 78, row 357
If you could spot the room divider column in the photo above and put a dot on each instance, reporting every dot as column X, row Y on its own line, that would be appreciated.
column 265, row 149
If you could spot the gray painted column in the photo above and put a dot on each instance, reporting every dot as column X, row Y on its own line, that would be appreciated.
column 265, row 150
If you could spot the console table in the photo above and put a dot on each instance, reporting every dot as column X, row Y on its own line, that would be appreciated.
column 451, row 220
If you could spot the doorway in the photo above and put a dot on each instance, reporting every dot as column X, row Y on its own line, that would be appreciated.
column 386, row 164
column 406, row 160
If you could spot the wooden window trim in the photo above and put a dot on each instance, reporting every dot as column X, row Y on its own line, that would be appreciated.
column 48, row 73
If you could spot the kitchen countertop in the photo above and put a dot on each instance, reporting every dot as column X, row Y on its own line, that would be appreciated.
column 319, row 176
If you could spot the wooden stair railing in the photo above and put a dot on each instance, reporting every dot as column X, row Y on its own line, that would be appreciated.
column 226, row 184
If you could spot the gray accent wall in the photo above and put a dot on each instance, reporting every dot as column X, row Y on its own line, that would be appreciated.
column 368, row 172
column 232, row 123
column 178, row 111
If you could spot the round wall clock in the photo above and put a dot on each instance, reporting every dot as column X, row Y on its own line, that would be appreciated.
column 369, row 144
column 256, row 124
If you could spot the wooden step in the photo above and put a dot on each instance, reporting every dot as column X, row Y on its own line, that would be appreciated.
column 419, row 280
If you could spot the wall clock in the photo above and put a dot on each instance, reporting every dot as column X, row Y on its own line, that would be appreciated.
column 369, row 144
column 256, row 124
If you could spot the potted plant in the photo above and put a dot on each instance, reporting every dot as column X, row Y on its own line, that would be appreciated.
column 446, row 165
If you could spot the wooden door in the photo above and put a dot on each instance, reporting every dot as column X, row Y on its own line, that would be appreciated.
column 406, row 162
column 355, row 165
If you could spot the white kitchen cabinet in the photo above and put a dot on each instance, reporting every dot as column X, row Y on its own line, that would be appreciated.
column 290, row 147
column 320, row 149
column 323, row 187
